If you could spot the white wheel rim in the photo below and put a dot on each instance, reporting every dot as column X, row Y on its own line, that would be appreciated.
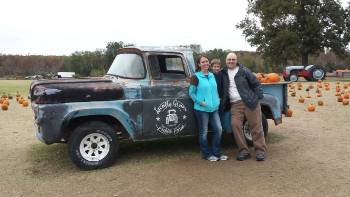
column 246, row 131
column 318, row 74
column 293, row 78
column 94, row 147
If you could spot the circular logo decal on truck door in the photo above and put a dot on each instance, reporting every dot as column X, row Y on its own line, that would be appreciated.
column 170, row 117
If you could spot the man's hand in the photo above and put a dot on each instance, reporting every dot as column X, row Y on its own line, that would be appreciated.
column 203, row 104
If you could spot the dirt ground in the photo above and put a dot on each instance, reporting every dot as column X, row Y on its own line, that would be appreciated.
column 308, row 155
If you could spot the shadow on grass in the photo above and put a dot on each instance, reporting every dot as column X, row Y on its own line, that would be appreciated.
column 53, row 160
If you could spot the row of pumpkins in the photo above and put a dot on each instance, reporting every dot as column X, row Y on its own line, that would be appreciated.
column 5, row 101
column 341, row 94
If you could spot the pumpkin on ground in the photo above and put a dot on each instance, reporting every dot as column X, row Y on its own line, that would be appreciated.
column 320, row 103
column 301, row 99
column 25, row 103
column 289, row 113
column 311, row 107
column 4, row 107
column 345, row 101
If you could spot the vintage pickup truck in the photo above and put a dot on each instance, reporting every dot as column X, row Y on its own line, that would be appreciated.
column 144, row 96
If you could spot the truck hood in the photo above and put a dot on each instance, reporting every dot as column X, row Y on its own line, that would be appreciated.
column 74, row 90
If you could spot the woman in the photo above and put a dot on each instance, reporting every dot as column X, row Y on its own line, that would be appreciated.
column 203, row 91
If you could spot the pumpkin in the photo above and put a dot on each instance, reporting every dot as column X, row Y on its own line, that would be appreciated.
column 340, row 99
column 1, row 100
column 311, row 86
column 25, row 103
column 345, row 101
column 320, row 102
column 346, row 96
column 289, row 113
column 6, row 102
column 293, row 94
column 273, row 78
column 311, row 107
column 327, row 88
column 319, row 95
column 4, row 107
column 301, row 99
column 345, row 86
column 259, row 76
column 337, row 94
column 20, row 101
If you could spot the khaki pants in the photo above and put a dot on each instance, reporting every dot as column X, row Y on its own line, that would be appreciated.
column 238, row 111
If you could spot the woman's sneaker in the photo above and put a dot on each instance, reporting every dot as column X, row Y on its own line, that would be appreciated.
column 212, row 158
column 223, row 158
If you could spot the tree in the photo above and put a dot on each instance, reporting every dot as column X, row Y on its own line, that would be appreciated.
column 288, row 29
column 111, row 52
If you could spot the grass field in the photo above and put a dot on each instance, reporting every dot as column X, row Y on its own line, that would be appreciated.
column 12, row 86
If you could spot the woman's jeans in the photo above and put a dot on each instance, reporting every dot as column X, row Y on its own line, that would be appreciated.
column 203, row 119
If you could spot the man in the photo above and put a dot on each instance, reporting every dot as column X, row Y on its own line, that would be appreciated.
column 241, row 94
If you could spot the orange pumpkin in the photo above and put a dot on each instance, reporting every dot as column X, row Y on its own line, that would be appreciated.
column 6, row 102
column 25, row 103
column 319, row 95
column 273, row 78
column 4, row 107
column 289, row 113
column 346, row 96
column 346, row 102
column 327, row 88
column 340, row 99
column 301, row 99
column 293, row 94
column 259, row 76
column 311, row 107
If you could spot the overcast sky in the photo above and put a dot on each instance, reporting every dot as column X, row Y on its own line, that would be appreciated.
column 61, row 27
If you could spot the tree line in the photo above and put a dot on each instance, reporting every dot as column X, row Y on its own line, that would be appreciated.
column 97, row 63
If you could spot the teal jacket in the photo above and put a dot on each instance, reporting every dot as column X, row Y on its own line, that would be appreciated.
column 204, row 88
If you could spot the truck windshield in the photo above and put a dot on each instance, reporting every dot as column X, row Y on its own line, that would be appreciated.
column 127, row 66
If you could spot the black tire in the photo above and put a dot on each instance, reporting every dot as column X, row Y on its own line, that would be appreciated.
column 246, row 130
column 82, row 147
column 293, row 76
column 317, row 73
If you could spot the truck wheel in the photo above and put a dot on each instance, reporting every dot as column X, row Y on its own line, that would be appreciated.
column 317, row 73
column 293, row 76
column 93, row 145
column 247, row 132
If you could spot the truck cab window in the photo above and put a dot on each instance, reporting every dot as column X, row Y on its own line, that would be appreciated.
column 166, row 67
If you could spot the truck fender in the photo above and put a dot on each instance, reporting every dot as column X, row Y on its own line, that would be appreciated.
column 119, row 114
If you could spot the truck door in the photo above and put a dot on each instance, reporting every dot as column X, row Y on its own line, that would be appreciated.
column 167, row 108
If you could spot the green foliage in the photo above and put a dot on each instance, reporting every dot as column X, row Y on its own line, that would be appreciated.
column 284, row 30
column 111, row 52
